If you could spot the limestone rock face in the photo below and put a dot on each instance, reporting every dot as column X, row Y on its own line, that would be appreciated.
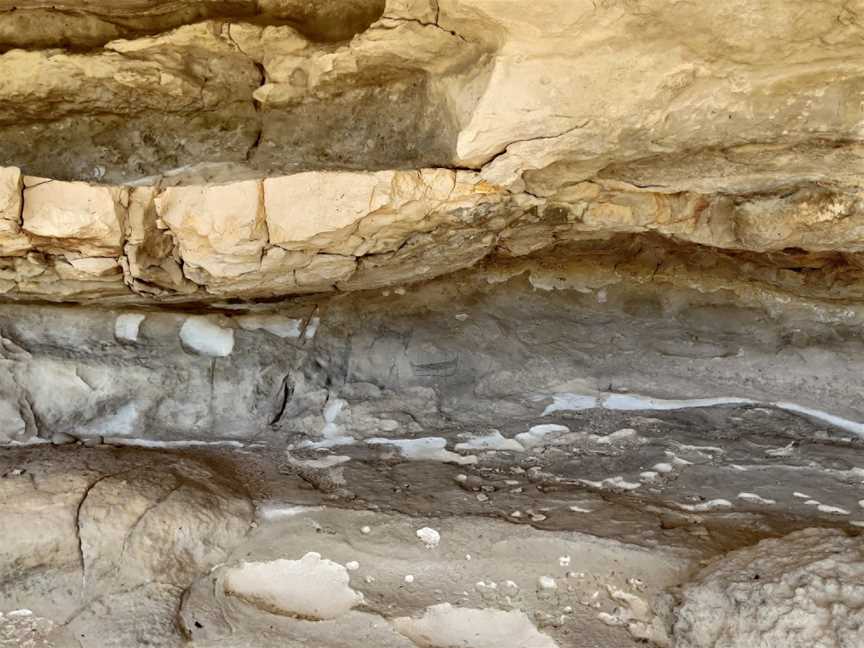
column 220, row 230
column 522, row 270
column 12, row 241
column 94, row 547
column 251, row 149
column 308, row 232
column 809, row 587
column 74, row 217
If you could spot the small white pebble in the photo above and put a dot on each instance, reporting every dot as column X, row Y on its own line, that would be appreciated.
column 564, row 561
column 461, row 478
column 516, row 514
column 370, row 579
column 352, row 566
column 409, row 578
column 482, row 497
column 467, row 556
column 461, row 316
column 365, row 530
column 547, row 583
column 429, row 536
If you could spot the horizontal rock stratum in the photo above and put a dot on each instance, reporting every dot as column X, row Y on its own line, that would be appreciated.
column 342, row 230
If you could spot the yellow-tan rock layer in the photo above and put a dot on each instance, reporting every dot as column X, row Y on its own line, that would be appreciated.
column 259, row 148
column 324, row 231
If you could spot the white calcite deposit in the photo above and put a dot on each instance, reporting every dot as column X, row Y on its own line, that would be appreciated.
column 444, row 626
column 203, row 335
column 311, row 588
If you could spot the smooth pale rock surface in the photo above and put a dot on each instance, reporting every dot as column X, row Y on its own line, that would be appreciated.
column 809, row 587
column 444, row 626
column 205, row 336
column 12, row 425
column 310, row 588
column 127, row 325
column 309, row 205
column 87, row 217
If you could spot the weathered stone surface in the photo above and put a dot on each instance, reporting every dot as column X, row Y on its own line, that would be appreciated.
column 808, row 585
column 311, row 209
column 74, row 217
column 315, row 232
column 38, row 23
column 95, row 545
column 309, row 232
column 129, row 534
column 489, row 273
column 486, row 85
column 12, row 241
column 219, row 229
column 635, row 127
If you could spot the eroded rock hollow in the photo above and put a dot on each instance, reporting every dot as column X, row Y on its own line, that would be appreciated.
column 431, row 323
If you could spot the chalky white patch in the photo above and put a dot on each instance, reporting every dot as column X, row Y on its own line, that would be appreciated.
column 492, row 441
column 445, row 626
column 310, row 588
column 127, row 325
column 538, row 433
column 203, row 336
column 710, row 505
column 425, row 449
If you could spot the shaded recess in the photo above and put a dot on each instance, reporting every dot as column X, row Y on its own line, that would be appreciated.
column 280, row 87
column 359, row 130
column 83, row 25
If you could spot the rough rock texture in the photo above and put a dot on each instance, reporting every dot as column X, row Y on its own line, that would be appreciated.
column 94, row 545
column 701, row 135
column 431, row 323
column 809, row 586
